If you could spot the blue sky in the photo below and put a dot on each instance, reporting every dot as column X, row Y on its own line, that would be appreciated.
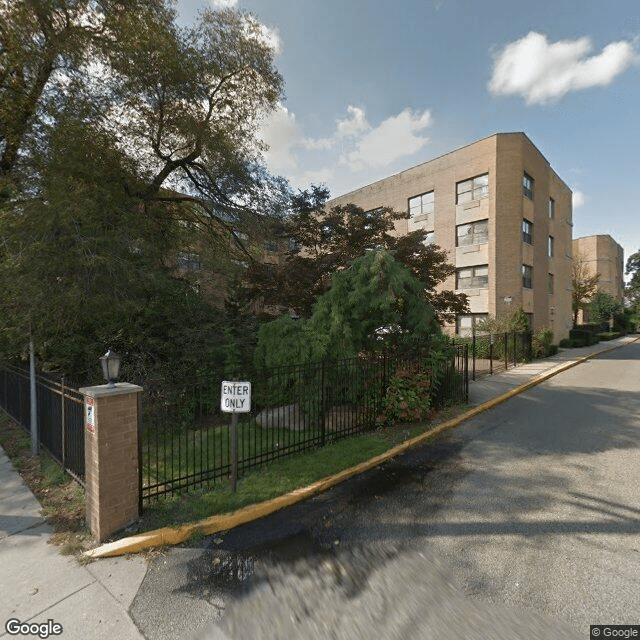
column 373, row 87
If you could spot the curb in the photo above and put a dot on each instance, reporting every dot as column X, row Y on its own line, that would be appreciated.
column 224, row 522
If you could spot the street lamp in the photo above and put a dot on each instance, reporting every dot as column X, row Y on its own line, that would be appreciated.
column 110, row 367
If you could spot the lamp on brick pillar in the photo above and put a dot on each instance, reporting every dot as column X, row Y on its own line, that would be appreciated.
column 111, row 451
column 110, row 367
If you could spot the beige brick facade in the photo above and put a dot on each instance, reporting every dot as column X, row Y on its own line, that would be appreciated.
column 478, row 187
column 605, row 256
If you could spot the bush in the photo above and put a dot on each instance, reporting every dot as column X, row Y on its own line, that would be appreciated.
column 408, row 397
column 608, row 335
column 572, row 343
column 541, row 342
column 584, row 338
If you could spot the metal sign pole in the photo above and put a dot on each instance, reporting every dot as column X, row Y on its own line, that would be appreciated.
column 234, row 451
column 235, row 398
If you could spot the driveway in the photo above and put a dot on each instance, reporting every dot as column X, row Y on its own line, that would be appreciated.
column 522, row 523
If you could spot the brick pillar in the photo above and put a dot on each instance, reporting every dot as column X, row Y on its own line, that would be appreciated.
column 111, row 457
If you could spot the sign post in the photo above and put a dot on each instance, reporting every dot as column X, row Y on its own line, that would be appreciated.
column 235, row 398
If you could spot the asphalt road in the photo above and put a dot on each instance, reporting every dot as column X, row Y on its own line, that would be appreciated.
column 522, row 523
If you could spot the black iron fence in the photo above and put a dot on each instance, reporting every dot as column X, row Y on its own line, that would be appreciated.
column 186, row 442
column 489, row 353
column 59, row 411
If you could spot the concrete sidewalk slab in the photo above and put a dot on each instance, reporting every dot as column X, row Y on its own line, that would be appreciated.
column 19, row 510
column 38, row 584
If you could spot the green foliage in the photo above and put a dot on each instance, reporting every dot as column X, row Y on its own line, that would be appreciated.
column 584, row 284
column 181, row 100
column 581, row 338
column 103, row 184
column 285, row 342
column 515, row 321
column 408, row 396
column 632, row 290
column 627, row 321
column 608, row 335
column 542, row 343
column 603, row 307
column 375, row 292
column 324, row 242
column 375, row 297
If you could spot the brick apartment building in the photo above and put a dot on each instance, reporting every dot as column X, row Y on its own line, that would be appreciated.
column 605, row 256
column 504, row 217
column 602, row 255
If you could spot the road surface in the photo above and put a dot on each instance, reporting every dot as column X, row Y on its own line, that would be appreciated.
column 522, row 523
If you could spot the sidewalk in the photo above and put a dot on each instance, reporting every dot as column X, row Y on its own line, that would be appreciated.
column 37, row 584
column 487, row 387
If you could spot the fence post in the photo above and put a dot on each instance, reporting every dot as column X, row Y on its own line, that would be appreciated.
column 515, row 349
column 63, row 424
column 322, row 406
column 111, row 457
column 506, row 350
column 473, row 355
column 491, row 336
column 466, row 372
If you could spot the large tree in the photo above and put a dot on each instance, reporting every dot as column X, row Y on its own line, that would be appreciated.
column 322, row 242
column 603, row 307
column 632, row 290
column 584, row 284
column 375, row 302
column 185, row 103
column 124, row 139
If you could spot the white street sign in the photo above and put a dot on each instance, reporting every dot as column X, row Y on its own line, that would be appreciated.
column 235, row 397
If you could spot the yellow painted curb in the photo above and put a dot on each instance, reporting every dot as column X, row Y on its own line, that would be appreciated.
column 224, row 522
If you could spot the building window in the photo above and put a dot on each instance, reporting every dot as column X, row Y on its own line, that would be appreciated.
column 552, row 208
column 473, row 277
column 421, row 205
column 465, row 325
column 550, row 283
column 550, row 247
column 472, row 189
column 527, row 186
column 473, row 233
column 527, row 276
column 527, row 231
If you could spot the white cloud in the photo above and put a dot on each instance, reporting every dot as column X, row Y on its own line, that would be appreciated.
column 223, row 4
column 394, row 138
column 271, row 37
column 542, row 72
column 354, row 124
column 282, row 134
column 354, row 145
column 262, row 33
column 578, row 199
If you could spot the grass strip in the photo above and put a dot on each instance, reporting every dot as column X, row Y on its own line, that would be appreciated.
column 280, row 477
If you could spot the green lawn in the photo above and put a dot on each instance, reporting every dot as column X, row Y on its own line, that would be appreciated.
column 282, row 476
